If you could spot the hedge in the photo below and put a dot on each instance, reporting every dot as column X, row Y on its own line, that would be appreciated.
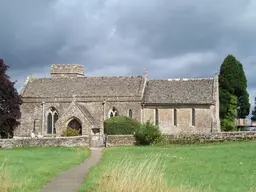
column 120, row 125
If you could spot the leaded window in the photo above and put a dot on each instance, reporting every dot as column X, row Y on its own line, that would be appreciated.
column 113, row 112
column 52, row 117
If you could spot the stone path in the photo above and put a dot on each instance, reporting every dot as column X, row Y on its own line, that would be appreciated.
column 72, row 179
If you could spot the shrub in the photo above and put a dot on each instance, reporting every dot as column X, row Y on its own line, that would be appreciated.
column 227, row 125
column 70, row 132
column 120, row 125
column 148, row 134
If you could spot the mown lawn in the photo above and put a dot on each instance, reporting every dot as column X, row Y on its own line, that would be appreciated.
column 211, row 167
column 28, row 169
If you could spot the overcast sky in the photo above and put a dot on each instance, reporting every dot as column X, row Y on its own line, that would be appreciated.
column 170, row 38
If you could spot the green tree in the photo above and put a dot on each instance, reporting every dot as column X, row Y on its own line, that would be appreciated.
column 227, row 82
column 242, row 94
column 253, row 118
column 233, row 83
column 227, row 123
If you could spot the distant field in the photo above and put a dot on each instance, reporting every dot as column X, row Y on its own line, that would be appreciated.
column 28, row 169
column 212, row 167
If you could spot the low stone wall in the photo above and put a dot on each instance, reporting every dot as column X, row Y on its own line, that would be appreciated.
column 79, row 141
column 124, row 140
column 119, row 140
column 210, row 137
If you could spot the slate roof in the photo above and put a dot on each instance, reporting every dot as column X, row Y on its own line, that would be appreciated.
column 157, row 91
column 190, row 91
column 130, row 86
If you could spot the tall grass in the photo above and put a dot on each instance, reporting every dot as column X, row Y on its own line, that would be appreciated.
column 7, row 183
column 5, row 180
column 128, row 176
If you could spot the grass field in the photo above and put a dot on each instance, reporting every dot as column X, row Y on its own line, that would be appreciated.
column 28, row 169
column 212, row 167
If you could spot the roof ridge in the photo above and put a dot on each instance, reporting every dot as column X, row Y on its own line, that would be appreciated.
column 85, row 77
column 182, row 79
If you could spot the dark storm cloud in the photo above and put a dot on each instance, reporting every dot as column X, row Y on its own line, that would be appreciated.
column 113, row 37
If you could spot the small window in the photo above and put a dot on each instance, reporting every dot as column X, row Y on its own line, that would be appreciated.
column 156, row 117
column 193, row 117
column 113, row 112
column 175, row 117
column 130, row 113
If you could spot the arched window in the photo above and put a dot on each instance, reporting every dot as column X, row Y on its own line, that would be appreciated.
column 75, row 124
column 52, row 117
column 156, row 116
column 130, row 113
column 113, row 112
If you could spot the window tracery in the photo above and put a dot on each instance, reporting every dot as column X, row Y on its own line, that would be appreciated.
column 113, row 112
column 52, row 117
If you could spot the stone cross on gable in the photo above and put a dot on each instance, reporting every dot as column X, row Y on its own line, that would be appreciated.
column 74, row 97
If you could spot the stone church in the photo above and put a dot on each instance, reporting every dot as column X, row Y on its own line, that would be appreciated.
column 70, row 98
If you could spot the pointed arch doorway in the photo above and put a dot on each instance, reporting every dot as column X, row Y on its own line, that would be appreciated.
column 75, row 124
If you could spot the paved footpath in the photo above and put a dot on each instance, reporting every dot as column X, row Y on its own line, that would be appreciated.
column 72, row 179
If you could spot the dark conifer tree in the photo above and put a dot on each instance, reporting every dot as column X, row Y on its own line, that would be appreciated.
column 233, row 82
column 227, row 82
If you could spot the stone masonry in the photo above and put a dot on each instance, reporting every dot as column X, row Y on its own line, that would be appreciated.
column 70, row 98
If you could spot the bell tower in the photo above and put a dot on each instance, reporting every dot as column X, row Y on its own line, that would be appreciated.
column 67, row 70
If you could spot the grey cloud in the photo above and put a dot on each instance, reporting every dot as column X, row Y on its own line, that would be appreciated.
column 113, row 37
column 176, row 27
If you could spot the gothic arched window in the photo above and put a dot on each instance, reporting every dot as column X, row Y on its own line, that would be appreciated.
column 52, row 117
column 113, row 112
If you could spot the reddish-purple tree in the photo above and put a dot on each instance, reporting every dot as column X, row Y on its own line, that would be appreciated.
column 10, row 102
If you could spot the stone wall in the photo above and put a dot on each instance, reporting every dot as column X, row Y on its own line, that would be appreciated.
column 203, row 118
column 119, row 140
column 211, row 137
column 80, row 141
column 124, row 140
column 123, row 109
column 32, row 115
